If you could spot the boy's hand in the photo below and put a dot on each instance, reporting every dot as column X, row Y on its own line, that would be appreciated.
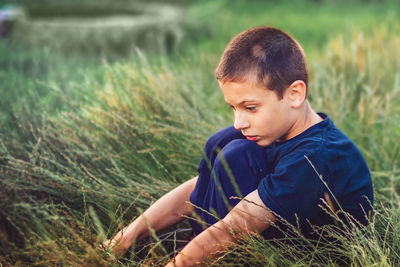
column 249, row 216
column 117, row 245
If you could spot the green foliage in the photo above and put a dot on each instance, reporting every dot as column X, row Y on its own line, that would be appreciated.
column 312, row 22
column 112, row 28
column 139, row 135
column 86, row 144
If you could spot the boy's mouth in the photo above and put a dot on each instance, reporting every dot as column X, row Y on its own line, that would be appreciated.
column 251, row 137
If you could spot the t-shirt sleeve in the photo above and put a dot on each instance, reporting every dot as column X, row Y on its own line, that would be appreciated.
column 294, row 190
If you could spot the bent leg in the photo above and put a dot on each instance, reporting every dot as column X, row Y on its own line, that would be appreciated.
column 218, row 141
column 201, row 195
column 238, row 169
column 235, row 172
column 214, row 144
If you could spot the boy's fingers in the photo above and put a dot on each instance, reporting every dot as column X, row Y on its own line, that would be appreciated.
column 103, row 245
column 106, row 244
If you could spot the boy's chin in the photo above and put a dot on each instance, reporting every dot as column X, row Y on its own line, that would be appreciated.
column 263, row 143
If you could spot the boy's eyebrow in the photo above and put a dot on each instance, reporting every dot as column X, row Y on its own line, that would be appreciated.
column 242, row 102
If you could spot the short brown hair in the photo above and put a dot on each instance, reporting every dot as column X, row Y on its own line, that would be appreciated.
column 273, row 55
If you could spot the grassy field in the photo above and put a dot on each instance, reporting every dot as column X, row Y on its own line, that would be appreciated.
column 87, row 142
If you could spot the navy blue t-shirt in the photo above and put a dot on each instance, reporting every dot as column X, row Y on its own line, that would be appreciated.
column 304, row 172
column 296, row 192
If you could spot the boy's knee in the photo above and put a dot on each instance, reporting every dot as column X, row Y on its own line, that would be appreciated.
column 218, row 140
column 237, row 153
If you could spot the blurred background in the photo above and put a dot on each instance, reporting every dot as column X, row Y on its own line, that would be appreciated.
column 107, row 27
column 105, row 105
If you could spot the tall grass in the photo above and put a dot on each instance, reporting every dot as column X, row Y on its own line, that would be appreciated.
column 312, row 23
column 40, row 82
column 141, row 134
column 363, row 99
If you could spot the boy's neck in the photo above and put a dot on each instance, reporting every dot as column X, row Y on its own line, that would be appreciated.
column 310, row 116
column 306, row 119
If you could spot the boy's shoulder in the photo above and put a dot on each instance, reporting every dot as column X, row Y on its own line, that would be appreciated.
column 323, row 141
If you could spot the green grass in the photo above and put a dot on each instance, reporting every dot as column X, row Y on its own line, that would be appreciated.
column 312, row 23
column 87, row 143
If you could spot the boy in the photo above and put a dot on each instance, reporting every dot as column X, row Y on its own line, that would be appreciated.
column 270, row 157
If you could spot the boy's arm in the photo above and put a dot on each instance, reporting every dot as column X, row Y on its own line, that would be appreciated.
column 250, row 215
column 166, row 211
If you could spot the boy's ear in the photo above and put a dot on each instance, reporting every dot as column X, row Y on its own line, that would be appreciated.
column 297, row 93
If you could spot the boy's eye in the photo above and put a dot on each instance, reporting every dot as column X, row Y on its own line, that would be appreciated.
column 250, row 108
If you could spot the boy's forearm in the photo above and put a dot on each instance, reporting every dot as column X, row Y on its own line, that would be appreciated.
column 216, row 238
column 166, row 211
column 170, row 208
column 249, row 216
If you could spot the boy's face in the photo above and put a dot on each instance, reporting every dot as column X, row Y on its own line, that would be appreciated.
column 259, row 114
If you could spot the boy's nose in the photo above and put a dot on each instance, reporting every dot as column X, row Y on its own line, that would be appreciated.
column 240, row 123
